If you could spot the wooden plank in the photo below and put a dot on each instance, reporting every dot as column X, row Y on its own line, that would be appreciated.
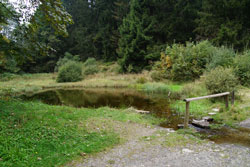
column 187, row 115
column 206, row 97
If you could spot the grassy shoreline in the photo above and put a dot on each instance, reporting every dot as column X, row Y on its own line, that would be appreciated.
column 36, row 134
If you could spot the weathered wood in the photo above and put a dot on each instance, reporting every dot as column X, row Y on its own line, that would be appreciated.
column 233, row 97
column 226, row 101
column 187, row 115
column 226, row 94
column 206, row 97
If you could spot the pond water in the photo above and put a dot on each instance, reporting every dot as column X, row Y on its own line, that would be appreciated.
column 116, row 98
column 157, row 104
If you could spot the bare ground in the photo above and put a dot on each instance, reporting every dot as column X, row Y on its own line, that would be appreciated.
column 149, row 147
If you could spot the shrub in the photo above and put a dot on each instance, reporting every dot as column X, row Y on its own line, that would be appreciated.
column 141, row 80
column 221, row 80
column 70, row 72
column 90, row 62
column 90, row 70
column 90, row 67
column 242, row 68
column 222, row 57
column 67, row 57
column 182, row 63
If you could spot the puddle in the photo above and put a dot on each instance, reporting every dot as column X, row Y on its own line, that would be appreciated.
column 157, row 104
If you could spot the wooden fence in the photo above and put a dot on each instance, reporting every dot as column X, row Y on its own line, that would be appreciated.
column 226, row 94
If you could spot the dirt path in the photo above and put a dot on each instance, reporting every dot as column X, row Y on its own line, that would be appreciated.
column 148, row 149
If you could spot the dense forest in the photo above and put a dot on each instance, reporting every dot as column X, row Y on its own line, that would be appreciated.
column 134, row 32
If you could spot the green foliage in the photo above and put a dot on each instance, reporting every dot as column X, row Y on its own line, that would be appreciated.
column 67, row 57
column 155, row 88
column 223, row 57
column 225, row 22
column 70, row 72
column 242, row 68
column 221, row 80
column 90, row 67
column 141, row 80
column 135, row 37
column 183, row 63
column 90, row 62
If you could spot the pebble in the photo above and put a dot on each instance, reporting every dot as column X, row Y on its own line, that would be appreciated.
column 216, row 109
column 211, row 113
column 185, row 150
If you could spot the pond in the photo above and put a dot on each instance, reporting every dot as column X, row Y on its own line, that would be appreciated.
column 157, row 104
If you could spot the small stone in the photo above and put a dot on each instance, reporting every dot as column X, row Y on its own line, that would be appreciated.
column 180, row 126
column 39, row 158
column 170, row 130
column 211, row 113
column 185, row 150
column 245, row 124
column 222, row 155
column 83, row 154
column 216, row 109
column 201, row 124
column 216, row 150
column 142, row 112
column 209, row 119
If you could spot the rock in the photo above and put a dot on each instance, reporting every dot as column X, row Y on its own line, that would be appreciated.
column 185, row 150
column 180, row 126
column 142, row 112
column 245, row 124
column 201, row 124
column 209, row 119
column 83, row 154
column 211, row 113
column 216, row 109
column 131, row 109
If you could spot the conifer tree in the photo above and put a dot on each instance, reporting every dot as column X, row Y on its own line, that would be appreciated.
column 135, row 37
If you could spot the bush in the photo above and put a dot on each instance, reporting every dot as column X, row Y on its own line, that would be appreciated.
column 221, row 80
column 242, row 68
column 67, row 57
column 141, row 80
column 90, row 62
column 70, row 72
column 182, row 63
column 223, row 57
column 90, row 67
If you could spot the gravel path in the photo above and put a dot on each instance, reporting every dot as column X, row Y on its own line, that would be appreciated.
column 153, row 153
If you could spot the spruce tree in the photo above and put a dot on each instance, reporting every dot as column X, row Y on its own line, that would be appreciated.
column 135, row 37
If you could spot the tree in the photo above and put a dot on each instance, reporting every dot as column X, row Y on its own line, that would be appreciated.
column 225, row 22
column 22, row 42
column 135, row 37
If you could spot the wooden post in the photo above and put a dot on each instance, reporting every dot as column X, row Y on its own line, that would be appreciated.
column 233, row 94
column 226, row 101
column 187, row 115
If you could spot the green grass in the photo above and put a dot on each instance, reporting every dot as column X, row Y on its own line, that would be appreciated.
column 36, row 134
column 158, row 87
column 197, row 108
column 201, row 108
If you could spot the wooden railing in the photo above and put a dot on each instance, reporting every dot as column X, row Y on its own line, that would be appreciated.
column 226, row 94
